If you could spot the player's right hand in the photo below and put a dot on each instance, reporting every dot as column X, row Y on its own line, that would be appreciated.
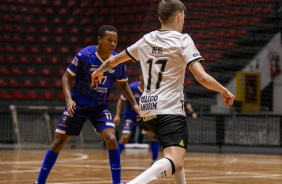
column 71, row 106
column 116, row 120
column 96, row 78
column 227, row 98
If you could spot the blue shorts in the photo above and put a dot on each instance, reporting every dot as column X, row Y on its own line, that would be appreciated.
column 130, row 125
column 100, row 118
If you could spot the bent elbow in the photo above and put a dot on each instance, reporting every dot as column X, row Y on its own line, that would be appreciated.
column 202, row 79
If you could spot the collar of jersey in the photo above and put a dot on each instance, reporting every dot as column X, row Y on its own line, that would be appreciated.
column 96, row 53
column 165, row 30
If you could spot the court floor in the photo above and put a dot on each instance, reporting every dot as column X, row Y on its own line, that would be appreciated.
column 91, row 166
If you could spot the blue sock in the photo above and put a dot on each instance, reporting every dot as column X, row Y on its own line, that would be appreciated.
column 120, row 147
column 114, row 157
column 155, row 150
column 49, row 161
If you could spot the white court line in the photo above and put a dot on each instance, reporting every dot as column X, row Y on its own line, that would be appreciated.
column 80, row 157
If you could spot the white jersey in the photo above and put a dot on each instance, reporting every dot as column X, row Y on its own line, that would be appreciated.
column 164, row 56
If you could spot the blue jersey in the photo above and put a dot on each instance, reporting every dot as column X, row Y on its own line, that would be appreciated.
column 82, row 66
column 129, row 112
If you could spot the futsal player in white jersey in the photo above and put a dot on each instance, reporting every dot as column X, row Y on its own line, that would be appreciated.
column 164, row 55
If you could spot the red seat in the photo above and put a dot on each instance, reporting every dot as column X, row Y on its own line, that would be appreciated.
column 2, row 59
column 23, row 60
column 47, row 95
column 58, row 3
column 85, row 21
column 46, row 72
column 60, row 30
column 68, row 60
column 77, row 11
column 42, row 20
column 30, row 39
column 89, row 30
column 71, row 21
column 45, row 30
column 60, row 72
column 28, row 83
column 188, row 82
column 85, row 4
column 13, row 83
column 91, row 11
column 20, row 49
column 4, row 95
column 63, row 11
column 73, row 40
column 59, row 40
column 74, row 30
column 88, row 40
column 38, row 60
column 57, row 83
column 57, row 21
column 17, row 95
column 49, row 50
column 11, row 59
column 42, row 83
column 54, row 60
column 30, row 72
column 3, row 83
column 49, row 11
column 4, row 71
column 61, row 96
column 64, row 50
column 32, row 95
column 34, row 50
column 44, row 39
column 71, row 3
column 15, row 71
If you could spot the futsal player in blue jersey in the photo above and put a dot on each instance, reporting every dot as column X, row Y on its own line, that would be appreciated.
column 130, row 120
column 86, row 101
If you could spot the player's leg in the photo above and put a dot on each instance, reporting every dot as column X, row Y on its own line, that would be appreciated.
column 172, row 134
column 104, row 125
column 62, row 135
column 51, row 156
column 128, row 126
column 155, row 147
column 179, row 177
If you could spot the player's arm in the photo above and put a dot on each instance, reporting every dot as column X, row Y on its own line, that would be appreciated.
column 191, row 110
column 66, row 84
column 107, row 65
column 129, row 95
column 118, row 109
column 209, row 82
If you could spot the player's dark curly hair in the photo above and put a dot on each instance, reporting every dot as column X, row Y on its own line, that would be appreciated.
column 104, row 28
column 167, row 8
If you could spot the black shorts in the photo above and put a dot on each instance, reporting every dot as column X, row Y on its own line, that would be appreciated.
column 170, row 130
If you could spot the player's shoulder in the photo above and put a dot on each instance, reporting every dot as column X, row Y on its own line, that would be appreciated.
column 87, row 50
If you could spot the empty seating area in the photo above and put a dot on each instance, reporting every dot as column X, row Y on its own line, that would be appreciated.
column 39, row 38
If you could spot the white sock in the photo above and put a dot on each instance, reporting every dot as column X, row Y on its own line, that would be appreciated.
column 160, row 169
column 179, row 177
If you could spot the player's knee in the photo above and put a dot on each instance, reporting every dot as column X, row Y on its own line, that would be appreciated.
column 111, row 139
column 56, row 146
column 178, row 165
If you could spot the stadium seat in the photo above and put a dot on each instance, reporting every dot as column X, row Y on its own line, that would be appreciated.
column 73, row 40
column 15, row 71
column 188, row 82
column 84, row 4
column 59, row 40
column 74, row 30
column 85, row 21
column 58, row 3
column 54, row 61
column 68, row 60
column 71, row 3
column 98, row 3
column 56, row 21
column 89, row 30
column 49, row 11
column 17, row 95
column 90, row 12
column 60, row 30
column 42, row 83
column 30, row 72
column 20, row 49
column 30, row 39
column 31, row 95
column 44, row 40
column 38, row 60
column 45, row 30
column 36, row 10
column 71, row 21
column 34, row 50
column 42, row 20
column 4, row 70
column 2, row 59
column 46, row 72
column 49, row 50
column 11, row 60
column 88, row 41
column 31, row 30
column 27, row 83
column 47, row 95
column 63, row 11
column 77, row 11
column 64, row 50
column 4, row 95
column 3, row 83
column 57, row 83
column 60, row 72
column 13, row 83
column 61, row 96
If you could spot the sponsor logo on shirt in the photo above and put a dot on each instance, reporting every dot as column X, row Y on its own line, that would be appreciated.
column 112, row 71
column 148, row 102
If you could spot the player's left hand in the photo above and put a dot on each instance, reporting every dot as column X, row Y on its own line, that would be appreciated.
column 137, row 109
column 96, row 78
